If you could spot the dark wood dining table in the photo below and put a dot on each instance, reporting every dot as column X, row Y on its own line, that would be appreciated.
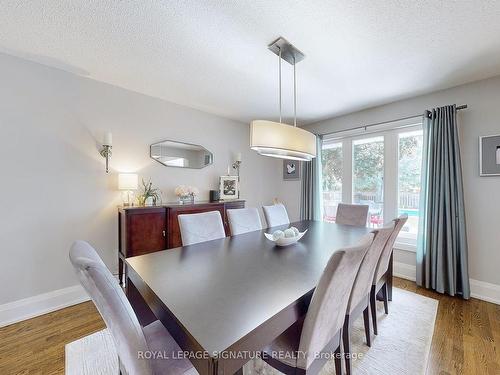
column 225, row 300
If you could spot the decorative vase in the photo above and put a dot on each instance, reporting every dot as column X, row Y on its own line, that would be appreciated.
column 187, row 199
column 149, row 201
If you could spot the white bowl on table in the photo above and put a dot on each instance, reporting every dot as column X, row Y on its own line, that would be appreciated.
column 285, row 241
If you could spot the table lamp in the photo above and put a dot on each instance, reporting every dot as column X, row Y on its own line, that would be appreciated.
column 128, row 182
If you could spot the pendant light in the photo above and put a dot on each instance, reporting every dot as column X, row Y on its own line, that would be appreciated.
column 276, row 139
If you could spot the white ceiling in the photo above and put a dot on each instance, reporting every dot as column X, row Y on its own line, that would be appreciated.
column 212, row 55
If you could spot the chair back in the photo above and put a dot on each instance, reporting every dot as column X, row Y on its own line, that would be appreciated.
column 243, row 220
column 383, row 263
column 364, row 278
column 113, row 306
column 326, row 313
column 276, row 215
column 205, row 226
column 352, row 214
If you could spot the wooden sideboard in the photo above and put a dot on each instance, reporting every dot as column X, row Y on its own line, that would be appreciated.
column 143, row 230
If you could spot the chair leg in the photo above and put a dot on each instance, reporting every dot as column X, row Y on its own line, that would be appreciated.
column 366, row 318
column 386, row 300
column 338, row 361
column 373, row 307
column 347, row 346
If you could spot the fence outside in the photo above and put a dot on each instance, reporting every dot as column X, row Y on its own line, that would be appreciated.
column 406, row 200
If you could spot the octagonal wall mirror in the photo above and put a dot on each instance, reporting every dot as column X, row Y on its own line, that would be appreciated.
column 180, row 154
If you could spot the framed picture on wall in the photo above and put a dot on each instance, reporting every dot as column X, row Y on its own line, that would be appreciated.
column 291, row 170
column 228, row 187
column 489, row 155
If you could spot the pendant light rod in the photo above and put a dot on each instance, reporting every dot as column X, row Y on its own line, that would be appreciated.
column 288, row 52
column 294, row 93
column 279, row 73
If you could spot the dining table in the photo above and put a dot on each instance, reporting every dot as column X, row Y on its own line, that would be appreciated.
column 225, row 300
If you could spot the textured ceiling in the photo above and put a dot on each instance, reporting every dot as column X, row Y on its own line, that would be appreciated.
column 212, row 55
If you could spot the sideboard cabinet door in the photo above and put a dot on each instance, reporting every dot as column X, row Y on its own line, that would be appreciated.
column 146, row 232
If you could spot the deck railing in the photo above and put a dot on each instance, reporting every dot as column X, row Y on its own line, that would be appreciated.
column 406, row 200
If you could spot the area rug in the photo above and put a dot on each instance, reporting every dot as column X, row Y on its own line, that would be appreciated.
column 401, row 347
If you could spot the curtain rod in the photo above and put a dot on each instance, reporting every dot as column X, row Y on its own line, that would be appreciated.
column 459, row 108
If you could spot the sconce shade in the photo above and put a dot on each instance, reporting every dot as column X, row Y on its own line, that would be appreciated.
column 127, row 181
column 108, row 139
column 282, row 141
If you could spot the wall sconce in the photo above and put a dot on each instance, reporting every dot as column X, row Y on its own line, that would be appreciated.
column 237, row 163
column 107, row 145
column 127, row 182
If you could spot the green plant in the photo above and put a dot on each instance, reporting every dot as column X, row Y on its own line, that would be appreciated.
column 148, row 192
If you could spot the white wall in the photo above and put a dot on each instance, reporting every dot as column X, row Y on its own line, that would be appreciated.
column 482, row 194
column 53, row 185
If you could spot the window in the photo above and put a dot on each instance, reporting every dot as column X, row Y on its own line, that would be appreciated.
column 332, row 179
column 409, row 167
column 381, row 169
column 368, row 177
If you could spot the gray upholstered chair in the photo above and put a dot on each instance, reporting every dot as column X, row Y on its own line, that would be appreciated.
column 381, row 275
column 304, row 347
column 352, row 214
column 196, row 228
column 243, row 220
column 276, row 215
column 129, row 337
column 359, row 300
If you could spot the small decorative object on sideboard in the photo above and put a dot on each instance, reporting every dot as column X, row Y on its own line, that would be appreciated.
column 489, row 155
column 228, row 187
column 285, row 237
column 150, row 196
column 186, row 194
column 214, row 195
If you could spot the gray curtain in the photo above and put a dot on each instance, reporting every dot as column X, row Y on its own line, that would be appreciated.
column 442, row 262
column 311, row 197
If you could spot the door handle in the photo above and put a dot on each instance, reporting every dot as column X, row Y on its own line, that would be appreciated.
column 164, row 235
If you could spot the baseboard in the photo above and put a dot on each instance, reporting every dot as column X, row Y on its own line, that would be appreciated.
column 485, row 291
column 27, row 308
column 479, row 289
column 405, row 271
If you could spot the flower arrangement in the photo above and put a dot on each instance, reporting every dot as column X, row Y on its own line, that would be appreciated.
column 149, row 195
column 186, row 193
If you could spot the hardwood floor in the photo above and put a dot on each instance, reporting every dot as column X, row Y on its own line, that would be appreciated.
column 36, row 346
column 466, row 337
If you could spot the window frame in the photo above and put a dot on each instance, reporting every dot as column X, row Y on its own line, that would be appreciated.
column 391, row 168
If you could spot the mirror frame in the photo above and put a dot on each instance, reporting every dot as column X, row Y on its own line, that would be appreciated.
column 184, row 143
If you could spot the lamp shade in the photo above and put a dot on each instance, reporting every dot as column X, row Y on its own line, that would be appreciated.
column 282, row 141
column 127, row 181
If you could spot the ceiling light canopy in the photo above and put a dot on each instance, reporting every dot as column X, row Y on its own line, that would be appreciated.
column 276, row 139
